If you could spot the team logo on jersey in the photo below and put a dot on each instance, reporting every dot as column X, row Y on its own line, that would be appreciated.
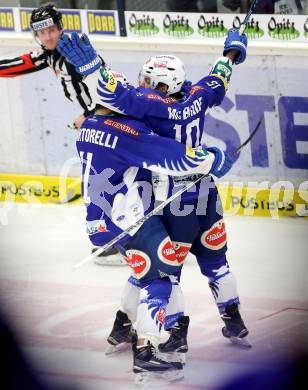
column 215, row 238
column 166, row 252
column 139, row 262
column 97, row 226
column 181, row 250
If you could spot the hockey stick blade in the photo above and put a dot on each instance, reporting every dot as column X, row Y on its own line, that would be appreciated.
column 248, row 139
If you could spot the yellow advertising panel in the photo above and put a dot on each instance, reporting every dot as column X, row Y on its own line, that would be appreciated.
column 236, row 200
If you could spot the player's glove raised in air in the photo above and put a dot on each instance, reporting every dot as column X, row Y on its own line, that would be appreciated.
column 223, row 162
column 235, row 41
column 79, row 52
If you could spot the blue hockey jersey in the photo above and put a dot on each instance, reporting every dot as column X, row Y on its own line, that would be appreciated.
column 182, row 119
column 117, row 155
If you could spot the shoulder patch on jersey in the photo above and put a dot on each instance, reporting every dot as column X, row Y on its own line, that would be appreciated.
column 166, row 100
column 109, row 79
column 190, row 152
column 225, row 82
column 139, row 262
column 216, row 237
column 122, row 127
column 194, row 89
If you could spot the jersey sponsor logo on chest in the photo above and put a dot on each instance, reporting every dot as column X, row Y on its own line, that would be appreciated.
column 187, row 111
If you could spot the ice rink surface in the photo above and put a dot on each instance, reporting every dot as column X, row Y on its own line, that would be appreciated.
column 63, row 317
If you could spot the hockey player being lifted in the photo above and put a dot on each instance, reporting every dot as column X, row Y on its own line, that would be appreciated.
column 179, row 115
column 47, row 27
column 118, row 154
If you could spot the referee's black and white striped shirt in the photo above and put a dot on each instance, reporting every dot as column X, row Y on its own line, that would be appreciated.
column 73, row 87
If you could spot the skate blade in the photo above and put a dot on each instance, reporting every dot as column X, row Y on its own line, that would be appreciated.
column 110, row 260
column 151, row 379
column 242, row 342
column 173, row 357
column 114, row 349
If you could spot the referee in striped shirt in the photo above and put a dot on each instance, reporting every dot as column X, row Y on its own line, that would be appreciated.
column 46, row 24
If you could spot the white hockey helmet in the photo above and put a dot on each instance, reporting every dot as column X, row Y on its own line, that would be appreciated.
column 167, row 69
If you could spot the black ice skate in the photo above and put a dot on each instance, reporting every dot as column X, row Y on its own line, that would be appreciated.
column 122, row 335
column 176, row 345
column 151, row 369
column 235, row 329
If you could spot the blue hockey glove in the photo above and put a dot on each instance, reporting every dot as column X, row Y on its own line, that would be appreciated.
column 223, row 162
column 80, row 53
column 235, row 41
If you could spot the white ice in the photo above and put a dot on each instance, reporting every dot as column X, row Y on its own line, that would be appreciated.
column 63, row 317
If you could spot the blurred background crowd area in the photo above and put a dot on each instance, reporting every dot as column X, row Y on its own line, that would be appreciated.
column 208, row 6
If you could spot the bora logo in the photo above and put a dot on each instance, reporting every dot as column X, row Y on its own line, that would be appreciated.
column 7, row 19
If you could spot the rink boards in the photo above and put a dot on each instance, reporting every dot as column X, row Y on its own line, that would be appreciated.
column 272, row 201
column 269, row 177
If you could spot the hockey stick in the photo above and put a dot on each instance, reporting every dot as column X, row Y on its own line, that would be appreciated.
column 157, row 209
column 249, row 138
column 247, row 17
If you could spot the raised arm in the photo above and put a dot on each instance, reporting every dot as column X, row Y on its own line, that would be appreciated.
column 141, row 103
column 24, row 64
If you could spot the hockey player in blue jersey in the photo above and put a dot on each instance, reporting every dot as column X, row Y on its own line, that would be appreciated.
column 118, row 155
column 182, row 117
